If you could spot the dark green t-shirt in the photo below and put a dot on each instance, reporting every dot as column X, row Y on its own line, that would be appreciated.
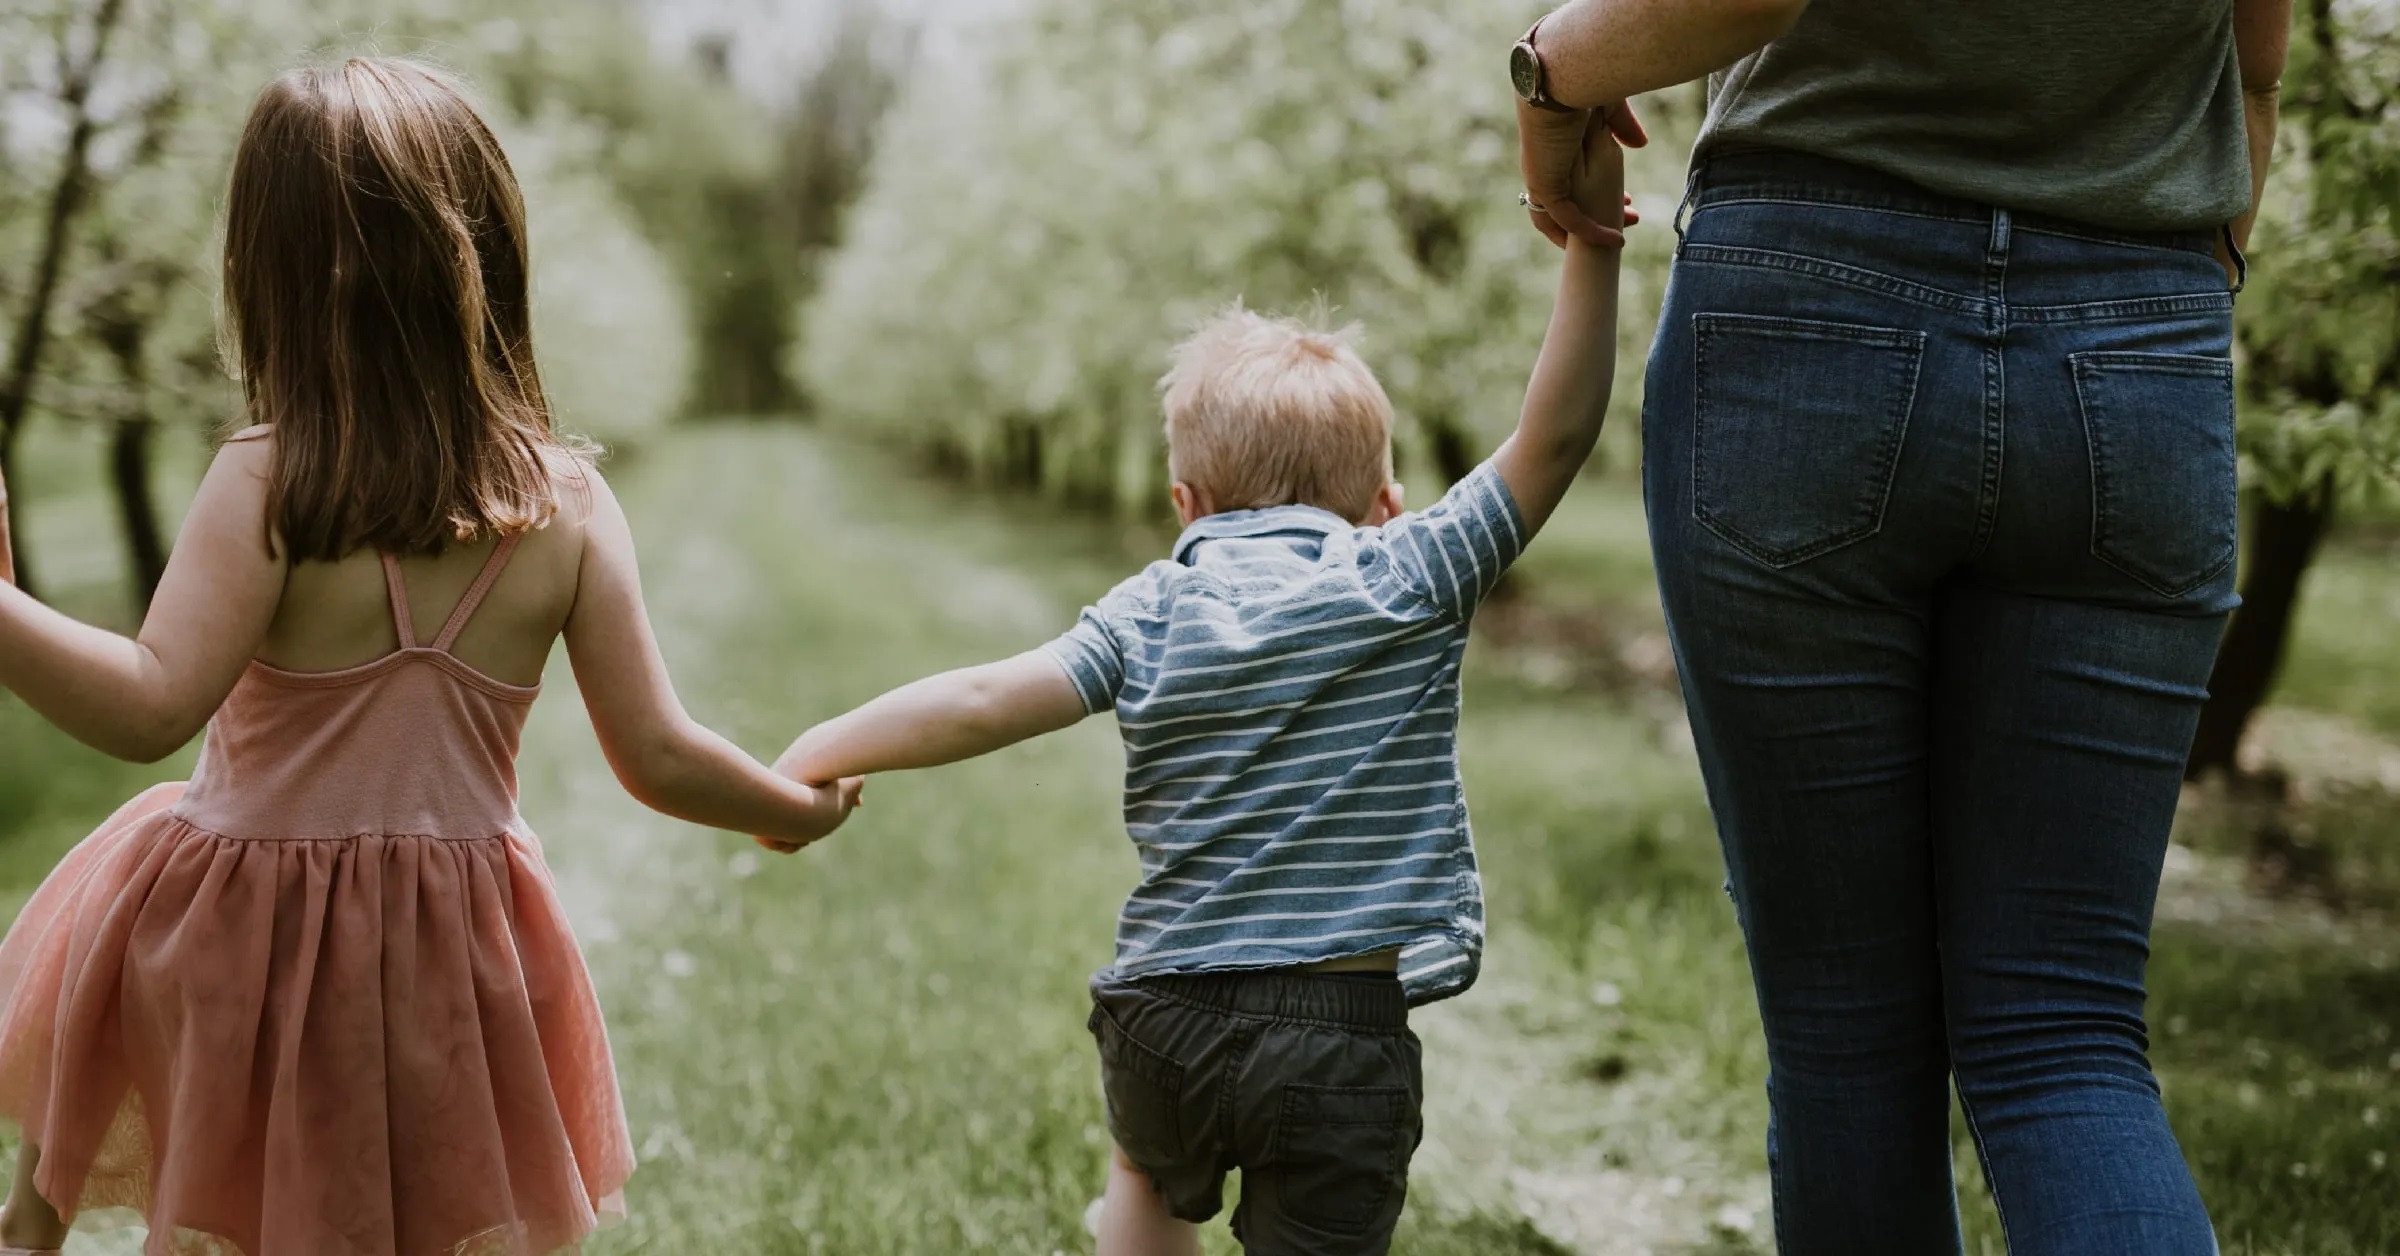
column 2119, row 113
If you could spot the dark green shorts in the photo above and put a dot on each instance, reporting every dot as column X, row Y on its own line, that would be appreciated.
column 1309, row 1083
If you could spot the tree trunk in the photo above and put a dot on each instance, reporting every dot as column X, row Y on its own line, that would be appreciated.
column 67, row 197
column 23, row 573
column 2283, row 541
column 137, row 510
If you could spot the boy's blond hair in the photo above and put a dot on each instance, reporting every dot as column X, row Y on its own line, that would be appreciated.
column 1265, row 411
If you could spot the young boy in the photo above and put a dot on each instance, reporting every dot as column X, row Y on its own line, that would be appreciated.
column 1287, row 686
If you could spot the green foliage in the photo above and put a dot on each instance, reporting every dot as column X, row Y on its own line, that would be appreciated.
column 2320, row 324
column 611, row 330
column 1043, row 221
column 610, row 319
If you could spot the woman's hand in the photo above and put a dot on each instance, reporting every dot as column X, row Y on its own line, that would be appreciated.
column 1550, row 151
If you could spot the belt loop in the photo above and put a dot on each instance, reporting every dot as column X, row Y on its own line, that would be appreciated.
column 2241, row 262
column 1691, row 190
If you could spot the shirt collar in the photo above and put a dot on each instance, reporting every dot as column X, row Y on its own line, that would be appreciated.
column 1293, row 521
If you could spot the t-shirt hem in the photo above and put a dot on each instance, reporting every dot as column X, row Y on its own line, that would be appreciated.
column 1456, row 977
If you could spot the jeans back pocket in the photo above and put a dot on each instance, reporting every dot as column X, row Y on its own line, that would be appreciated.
column 1797, row 427
column 2165, row 476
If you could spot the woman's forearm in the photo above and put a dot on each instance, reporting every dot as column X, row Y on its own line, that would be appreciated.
column 1598, row 52
column 2262, row 36
column 2259, row 109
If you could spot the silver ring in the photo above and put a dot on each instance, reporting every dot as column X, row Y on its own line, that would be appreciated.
column 1526, row 199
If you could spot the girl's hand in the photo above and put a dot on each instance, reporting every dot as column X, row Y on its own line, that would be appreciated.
column 834, row 804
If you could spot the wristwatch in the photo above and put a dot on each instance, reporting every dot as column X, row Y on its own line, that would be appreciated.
column 1527, row 74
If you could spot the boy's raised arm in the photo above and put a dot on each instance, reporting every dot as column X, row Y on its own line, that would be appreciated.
column 940, row 719
column 1568, row 395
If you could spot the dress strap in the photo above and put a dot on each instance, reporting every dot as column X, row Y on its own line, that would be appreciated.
column 398, row 588
column 492, row 567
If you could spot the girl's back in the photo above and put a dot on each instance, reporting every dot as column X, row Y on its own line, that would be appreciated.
column 323, row 998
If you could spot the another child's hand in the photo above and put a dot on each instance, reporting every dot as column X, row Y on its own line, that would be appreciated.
column 834, row 803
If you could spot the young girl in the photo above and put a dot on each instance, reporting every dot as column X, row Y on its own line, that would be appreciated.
column 322, row 999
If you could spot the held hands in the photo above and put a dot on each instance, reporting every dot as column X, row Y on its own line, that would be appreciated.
column 1574, row 168
column 833, row 805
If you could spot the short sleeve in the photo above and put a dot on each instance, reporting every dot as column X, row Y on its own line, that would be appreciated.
column 1453, row 553
column 1089, row 655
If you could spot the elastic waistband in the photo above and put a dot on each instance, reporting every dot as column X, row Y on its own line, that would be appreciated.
column 1366, row 1000
column 1777, row 174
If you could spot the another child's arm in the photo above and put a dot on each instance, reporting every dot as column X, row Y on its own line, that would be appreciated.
column 1568, row 395
column 142, row 698
column 940, row 719
column 664, row 758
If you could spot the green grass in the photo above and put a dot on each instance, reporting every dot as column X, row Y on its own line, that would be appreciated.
column 878, row 1046
column 2344, row 658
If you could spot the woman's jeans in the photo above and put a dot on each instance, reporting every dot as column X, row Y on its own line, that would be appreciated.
column 1942, row 499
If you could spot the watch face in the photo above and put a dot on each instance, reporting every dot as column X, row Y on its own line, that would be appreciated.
column 1525, row 72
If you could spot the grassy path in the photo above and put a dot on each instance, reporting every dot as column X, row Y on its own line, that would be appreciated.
column 878, row 1046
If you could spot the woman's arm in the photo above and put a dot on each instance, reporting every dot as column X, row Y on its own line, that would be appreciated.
column 143, row 698
column 940, row 719
column 664, row 758
column 2262, row 33
column 1597, row 54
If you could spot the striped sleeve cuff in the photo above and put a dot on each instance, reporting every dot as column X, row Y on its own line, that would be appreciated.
column 1457, row 549
column 1088, row 655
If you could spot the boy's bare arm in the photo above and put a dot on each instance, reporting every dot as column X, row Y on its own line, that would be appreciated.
column 1568, row 395
column 940, row 719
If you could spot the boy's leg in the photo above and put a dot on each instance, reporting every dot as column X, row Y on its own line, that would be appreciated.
column 30, row 1222
column 1134, row 1220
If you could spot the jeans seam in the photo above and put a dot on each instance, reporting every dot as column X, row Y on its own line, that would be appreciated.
column 2110, row 241
column 1807, row 201
column 1983, row 1154
column 2128, row 308
column 1832, row 272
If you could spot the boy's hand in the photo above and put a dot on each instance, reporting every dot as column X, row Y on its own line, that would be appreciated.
column 1598, row 179
column 834, row 804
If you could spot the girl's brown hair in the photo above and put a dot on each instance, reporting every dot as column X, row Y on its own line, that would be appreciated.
column 376, row 307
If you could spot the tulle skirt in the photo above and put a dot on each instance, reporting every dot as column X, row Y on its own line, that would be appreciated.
column 363, row 1046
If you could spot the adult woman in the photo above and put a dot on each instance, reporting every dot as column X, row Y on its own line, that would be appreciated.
column 1939, row 463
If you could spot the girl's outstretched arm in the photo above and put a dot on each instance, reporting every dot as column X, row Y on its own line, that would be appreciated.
column 665, row 759
column 940, row 719
column 142, row 698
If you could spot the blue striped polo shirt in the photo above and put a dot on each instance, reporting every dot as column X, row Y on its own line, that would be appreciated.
column 1287, row 688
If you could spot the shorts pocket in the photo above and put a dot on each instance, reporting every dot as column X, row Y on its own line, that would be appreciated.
column 1340, row 1154
column 1144, row 1088
column 1797, row 428
column 2164, row 470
